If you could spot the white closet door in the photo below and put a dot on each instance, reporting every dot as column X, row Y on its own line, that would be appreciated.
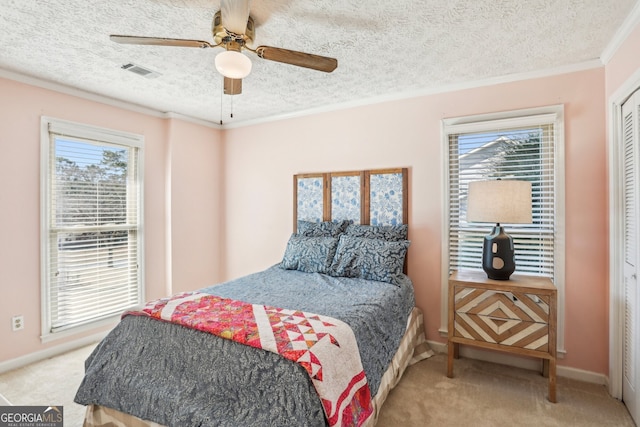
column 631, row 364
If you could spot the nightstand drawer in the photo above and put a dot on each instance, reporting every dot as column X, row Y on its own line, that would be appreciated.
column 512, row 333
column 512, row 319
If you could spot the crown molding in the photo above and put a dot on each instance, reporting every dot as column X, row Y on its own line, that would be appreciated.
column 627, row 27
column 90, row 96
column 193, row 120
column 587, row 65
column 510, row 78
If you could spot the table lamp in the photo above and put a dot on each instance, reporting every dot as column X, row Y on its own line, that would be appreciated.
column 499, row 201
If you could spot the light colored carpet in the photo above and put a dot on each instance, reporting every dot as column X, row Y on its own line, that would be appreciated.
column 486, row 394
column 51, row 382
column 480, row 394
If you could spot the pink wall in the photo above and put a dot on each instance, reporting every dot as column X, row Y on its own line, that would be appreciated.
column 262, row 159
column 21, row 107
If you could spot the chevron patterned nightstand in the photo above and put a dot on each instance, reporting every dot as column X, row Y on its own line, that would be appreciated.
column 517, row 316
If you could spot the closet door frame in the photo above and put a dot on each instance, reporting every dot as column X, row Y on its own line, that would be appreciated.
column 616, row 234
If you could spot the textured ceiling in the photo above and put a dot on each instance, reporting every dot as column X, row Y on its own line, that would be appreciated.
column 384, row 48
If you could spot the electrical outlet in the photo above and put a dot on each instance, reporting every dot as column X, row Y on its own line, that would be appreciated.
column 17, row 323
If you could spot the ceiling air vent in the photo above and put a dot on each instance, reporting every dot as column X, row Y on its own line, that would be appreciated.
column 141, row 71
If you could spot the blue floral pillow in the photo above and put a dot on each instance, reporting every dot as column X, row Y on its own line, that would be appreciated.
column 384, row 232
column 309, row 254
column 322, row 229
column 371, row 259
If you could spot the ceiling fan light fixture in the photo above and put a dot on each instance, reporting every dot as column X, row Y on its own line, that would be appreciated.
column 233, row 64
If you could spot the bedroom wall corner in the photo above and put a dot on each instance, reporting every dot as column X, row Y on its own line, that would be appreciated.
column 195, row 196
column 624, row 62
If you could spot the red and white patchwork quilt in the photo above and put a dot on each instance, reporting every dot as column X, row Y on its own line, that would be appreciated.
column 325, row 347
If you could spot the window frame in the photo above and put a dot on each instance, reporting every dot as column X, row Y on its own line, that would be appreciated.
column 510, row 119
column 81, row 132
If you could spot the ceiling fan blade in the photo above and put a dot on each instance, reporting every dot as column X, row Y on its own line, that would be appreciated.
column 235, row 14
column 301, row 59
column 159, row 41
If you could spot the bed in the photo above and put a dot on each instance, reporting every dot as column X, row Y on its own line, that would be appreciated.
column 341, row 279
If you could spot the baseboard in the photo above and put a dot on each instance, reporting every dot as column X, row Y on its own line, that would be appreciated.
column 37, row 356
column 582, row 375
column 521, row 362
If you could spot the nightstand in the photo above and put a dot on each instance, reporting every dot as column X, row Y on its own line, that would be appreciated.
column 516, row 316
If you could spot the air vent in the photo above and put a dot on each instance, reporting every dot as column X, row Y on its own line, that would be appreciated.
column 141, row 71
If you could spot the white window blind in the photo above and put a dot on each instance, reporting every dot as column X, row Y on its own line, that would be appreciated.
column 506, row 149
column 92, row 224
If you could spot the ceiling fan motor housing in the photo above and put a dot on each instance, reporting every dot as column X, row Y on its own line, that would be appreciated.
column 222, row 36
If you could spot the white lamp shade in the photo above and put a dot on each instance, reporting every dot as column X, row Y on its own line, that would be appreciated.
column 233, row 64
column 499, row 201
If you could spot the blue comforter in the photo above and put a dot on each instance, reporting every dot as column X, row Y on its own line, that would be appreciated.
column 176, row 376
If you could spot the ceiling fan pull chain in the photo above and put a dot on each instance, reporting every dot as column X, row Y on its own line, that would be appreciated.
column 221, row 102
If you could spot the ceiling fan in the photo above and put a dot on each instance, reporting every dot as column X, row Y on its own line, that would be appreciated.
column 233, row 29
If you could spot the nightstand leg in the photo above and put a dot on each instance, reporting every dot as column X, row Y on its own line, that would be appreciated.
column 452, row 352
column 552, row 380
column 545, row 368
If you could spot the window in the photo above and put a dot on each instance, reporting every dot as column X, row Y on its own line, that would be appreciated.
column 91, row 225
column 522, row 145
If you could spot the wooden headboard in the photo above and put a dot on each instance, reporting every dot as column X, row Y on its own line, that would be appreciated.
column 368, row 197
